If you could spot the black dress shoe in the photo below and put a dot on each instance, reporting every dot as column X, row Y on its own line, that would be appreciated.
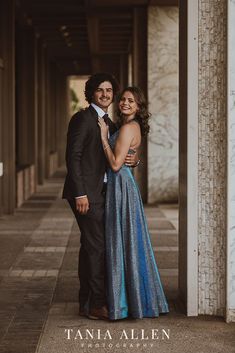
column 99, row 313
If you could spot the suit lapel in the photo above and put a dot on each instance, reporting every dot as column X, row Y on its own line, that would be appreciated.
column 93, row 112
column 112, row 126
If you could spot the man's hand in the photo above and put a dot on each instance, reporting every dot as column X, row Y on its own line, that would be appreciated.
column 132, row 159
column 82, row 204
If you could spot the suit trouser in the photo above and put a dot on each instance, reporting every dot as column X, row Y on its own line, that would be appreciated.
column 91, row 269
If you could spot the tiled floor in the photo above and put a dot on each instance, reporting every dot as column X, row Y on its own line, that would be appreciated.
column 39, row 284
column 33, row 243
column 163, row 226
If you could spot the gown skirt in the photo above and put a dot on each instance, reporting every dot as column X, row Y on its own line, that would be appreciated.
column 133, row 282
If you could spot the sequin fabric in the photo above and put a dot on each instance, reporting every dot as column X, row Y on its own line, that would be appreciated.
column 134, row 284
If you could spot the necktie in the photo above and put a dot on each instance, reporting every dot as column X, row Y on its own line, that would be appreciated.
column 106, row 118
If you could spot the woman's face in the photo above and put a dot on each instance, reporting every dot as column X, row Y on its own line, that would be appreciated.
column 127, row 104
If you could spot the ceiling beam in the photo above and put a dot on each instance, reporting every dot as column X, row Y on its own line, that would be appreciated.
column 116, row 25
column 96, row 31
column 68, row 52
column 115, row 3
column 93, row 39
column 163, row 2
column 110, row 13
column 130, row 3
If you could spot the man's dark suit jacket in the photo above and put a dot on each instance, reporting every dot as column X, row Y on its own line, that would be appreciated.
column 85, row 158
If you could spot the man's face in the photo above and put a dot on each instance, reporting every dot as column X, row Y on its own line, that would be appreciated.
column 103, row 96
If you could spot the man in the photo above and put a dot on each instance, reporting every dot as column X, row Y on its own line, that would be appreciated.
column 85, row 190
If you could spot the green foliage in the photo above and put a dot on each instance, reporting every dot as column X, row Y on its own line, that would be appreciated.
column 74, row 101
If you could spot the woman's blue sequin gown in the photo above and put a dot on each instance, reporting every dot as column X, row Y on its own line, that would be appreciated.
column 134, row 285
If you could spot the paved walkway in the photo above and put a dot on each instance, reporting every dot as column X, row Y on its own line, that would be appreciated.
column 39, row 286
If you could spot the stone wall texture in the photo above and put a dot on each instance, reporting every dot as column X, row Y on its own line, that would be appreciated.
column 212, row 155
column 163, row 103
column 231, row 164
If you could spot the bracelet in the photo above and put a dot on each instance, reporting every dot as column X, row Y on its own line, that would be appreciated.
column 136, row 165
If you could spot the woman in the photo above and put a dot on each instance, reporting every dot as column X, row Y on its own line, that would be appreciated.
column 134, row 285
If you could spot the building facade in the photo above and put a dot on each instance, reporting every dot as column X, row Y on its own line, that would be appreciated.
column 189, row 155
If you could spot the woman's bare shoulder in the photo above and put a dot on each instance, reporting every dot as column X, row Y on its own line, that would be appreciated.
column 131, row 127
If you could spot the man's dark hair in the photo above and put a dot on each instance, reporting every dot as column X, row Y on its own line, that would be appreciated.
column 95, row 80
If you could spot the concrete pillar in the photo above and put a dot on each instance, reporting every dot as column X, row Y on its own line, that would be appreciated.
column 188, row 155
column 41, row 113
column 7, row 103
column 123, row 71
column 26, row 96
column 163, row 91
column 52, row 117
column 212, row 159
column 1, row 108
column 183, row 207
column 1, row 134
column 230, row 302
column 56, row 117
column 140, row 79
column 47, row 115
column 62, row 113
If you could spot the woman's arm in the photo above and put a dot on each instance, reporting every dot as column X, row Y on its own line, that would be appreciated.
column 126, row 134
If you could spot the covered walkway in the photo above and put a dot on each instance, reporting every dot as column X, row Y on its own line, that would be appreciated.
column 42, row 44
column 39, row 287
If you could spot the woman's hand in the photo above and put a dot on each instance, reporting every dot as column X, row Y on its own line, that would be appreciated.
column 132, row 159
column 103, row 129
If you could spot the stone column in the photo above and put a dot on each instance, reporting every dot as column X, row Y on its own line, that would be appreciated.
column 1, row 134
column 62, row 113
column 123, row 71
column 230, row 312
column 7, row 20
column 52, row 118
column 51, row 78
column 163, row 103
column 212, row 163
column 26, row 88
column 1, row 107
column 188, row 155
column 41, row 112
column 48, row 117
column 140, row 79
